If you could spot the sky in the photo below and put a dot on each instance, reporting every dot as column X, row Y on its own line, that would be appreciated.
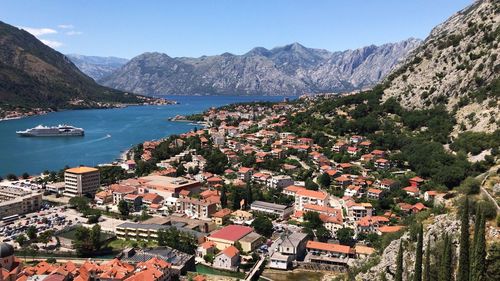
column 126, row 28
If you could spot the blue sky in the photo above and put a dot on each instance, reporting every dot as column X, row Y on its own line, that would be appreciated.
column 126, row 28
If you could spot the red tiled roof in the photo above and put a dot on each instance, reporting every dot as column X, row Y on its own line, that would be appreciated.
column 328, row 247
column 230, row 251
column 312, row 193
column 232, row 232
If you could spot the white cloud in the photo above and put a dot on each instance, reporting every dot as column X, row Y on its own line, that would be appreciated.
column 51, row 43
column 73, row 32
column 66, row 26
column 39, row 31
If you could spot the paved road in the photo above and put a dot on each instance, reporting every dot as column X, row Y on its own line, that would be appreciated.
column 302, row 163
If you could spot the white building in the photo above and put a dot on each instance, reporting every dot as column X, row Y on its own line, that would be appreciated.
column 81, row 181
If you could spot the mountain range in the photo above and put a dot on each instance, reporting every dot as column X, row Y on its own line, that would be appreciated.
column 32, row 75
column 289, row 70
column 97, row 67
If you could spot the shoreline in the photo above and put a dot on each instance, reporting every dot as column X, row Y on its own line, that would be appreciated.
column 118, row 106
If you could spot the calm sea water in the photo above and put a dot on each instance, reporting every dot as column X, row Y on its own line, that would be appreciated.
column 108, row 132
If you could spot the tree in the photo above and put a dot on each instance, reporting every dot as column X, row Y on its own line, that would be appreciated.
column 418, row 255
column 263, row 226
column 322, row 234
column 478, row 269
column 95, row 236
column 81, row 204
column 463, row 258
column 345, row 236
column 209, row 258
column 382, row 276
column 223, row 197
column 123, row 208
column 427, row 263
column 236, row 199
column 470, row 186
column 45, row 237
column 82, row 243
column 313, row 220
column 399, row 263
column 11, row 177
column 184, row 242
column 21, row 240
column 324, row 180
column 311, row 185
column 181, row 171
column 25, row 175
column 445, row 269
column 31, row 232
column 248, row 194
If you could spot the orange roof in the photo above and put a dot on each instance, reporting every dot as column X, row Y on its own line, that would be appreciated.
column 389, row 229
column 208, row 245
column 419, row 206
column 214, row 179
column 342, row 178
column 412, row 189
column 294, row 188
column 417, row 179
column 331, row 172
column 312, row 193
column 328, row 247
column 364, row 250
column 374, row 190
column 81, row 170
column 244, row 170
column 151, row 196
column 230, row 251
column 222, row 213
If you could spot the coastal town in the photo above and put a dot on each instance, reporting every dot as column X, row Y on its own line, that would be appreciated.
column 239, row 197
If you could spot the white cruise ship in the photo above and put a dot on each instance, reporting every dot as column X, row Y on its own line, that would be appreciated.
column 56, row 131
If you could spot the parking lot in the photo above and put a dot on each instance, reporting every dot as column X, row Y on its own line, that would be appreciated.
column 49, row 218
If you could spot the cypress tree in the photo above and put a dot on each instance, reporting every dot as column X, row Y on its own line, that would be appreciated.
column 223, row 197
column 236, row 200
column 445, row 268
column 463, row 259
column 479, row 261
column 418, row 255
column 248, row 195
column 399, row 263
column 477, row 222
column 427, row 264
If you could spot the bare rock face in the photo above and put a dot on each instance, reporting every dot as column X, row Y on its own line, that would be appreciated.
column 457, row 66
column 289, row 70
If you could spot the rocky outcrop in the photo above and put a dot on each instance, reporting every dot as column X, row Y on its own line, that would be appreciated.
column 289, row 70
column 458, row 66
column 442, row 224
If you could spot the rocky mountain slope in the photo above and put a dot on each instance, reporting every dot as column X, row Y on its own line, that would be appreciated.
column 458, row 66
column 32, row 75
column 97, row 67
column 289, row 70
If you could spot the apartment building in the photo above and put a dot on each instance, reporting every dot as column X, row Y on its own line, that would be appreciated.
column 81, row 181
column 16, row 201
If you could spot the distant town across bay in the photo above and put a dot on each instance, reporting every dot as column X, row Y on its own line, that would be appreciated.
column 108, row 132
